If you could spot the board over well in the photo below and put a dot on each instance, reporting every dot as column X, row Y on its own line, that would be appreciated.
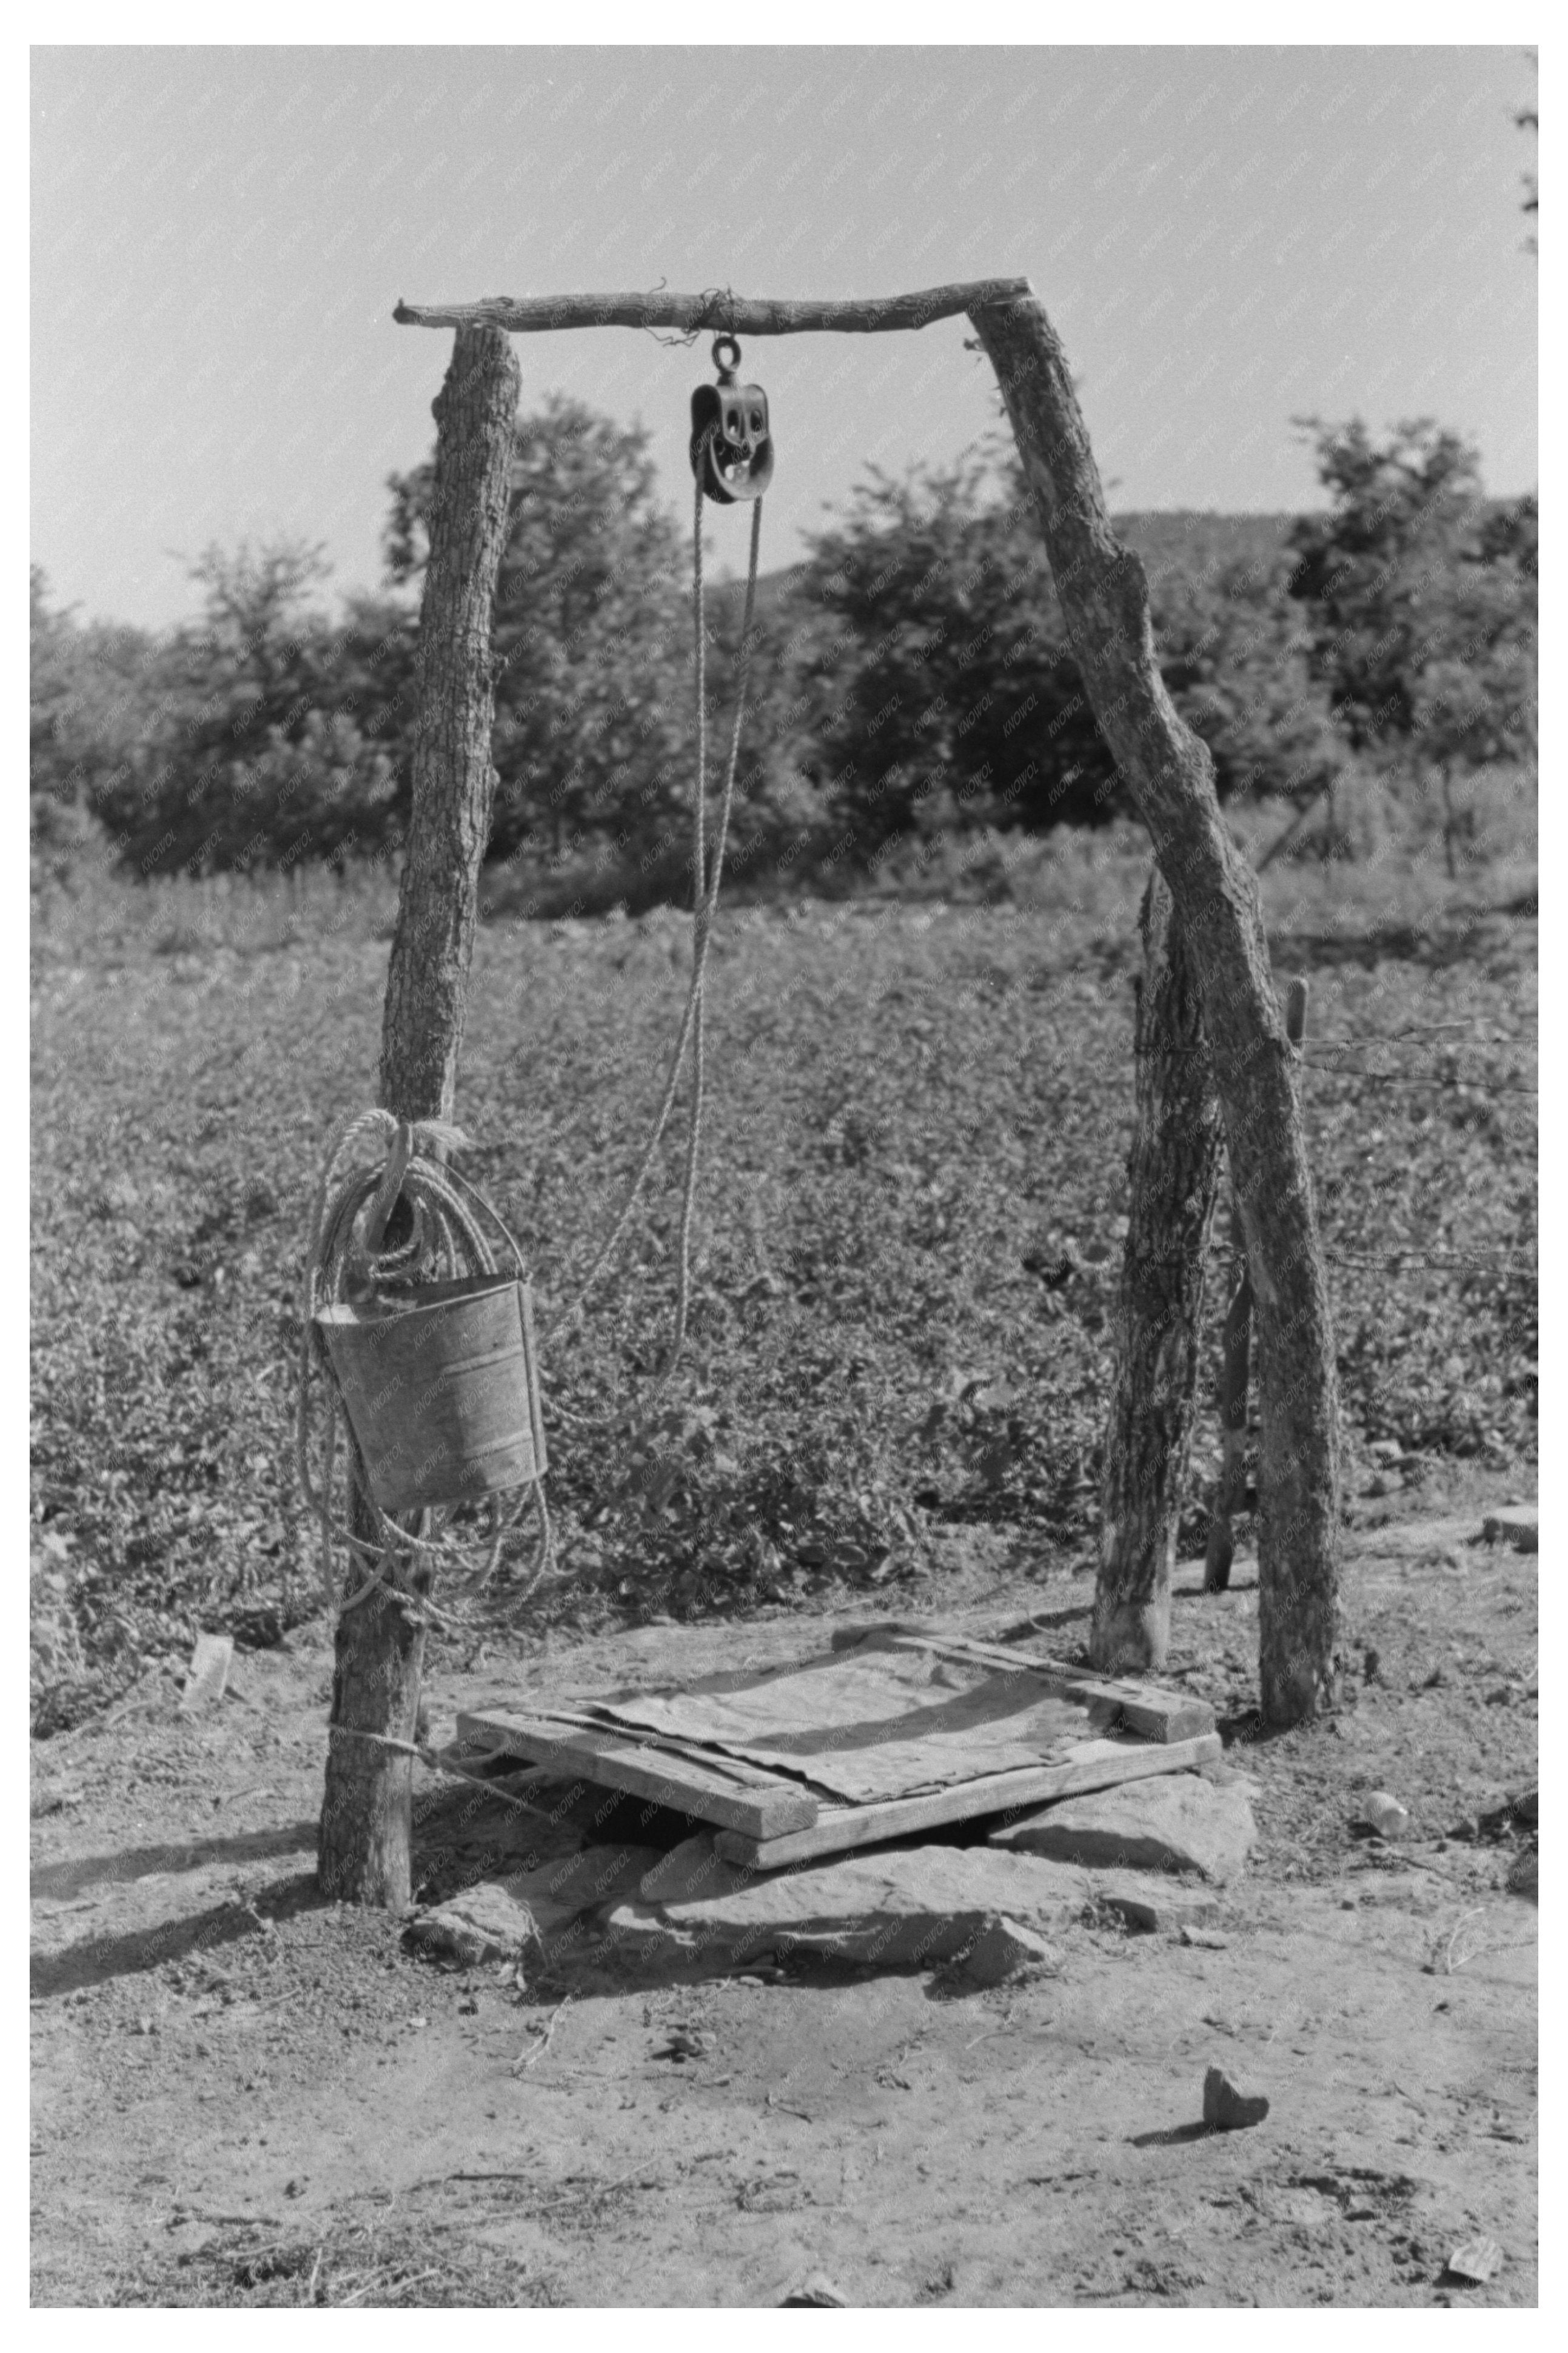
column 896, row 1732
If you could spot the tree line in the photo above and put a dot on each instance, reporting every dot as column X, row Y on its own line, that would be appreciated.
column 912, row 683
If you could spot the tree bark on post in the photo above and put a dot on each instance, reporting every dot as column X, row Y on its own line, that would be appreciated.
column 1105, row 599
column 1174, row 1175
column 362, row 1851
column 1235, row 1349
column 1235, row 1364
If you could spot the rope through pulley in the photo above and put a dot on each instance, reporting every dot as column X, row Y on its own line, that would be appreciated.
column 424, row 1345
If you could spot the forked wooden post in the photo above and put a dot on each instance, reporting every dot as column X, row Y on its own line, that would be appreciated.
column 1168, row 770
column 1105, row 598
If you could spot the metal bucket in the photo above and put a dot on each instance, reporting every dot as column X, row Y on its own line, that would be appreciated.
column 443, row 1392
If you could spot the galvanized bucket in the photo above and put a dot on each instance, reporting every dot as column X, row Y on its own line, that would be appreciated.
column 441, row 1390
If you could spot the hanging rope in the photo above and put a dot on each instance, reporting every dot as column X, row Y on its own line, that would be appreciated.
column 348, row 1263
column 705, row 900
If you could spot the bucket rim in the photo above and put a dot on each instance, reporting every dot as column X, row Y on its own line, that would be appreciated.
column 343, row 1314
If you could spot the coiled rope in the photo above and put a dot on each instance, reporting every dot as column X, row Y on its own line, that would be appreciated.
column 347, row 1261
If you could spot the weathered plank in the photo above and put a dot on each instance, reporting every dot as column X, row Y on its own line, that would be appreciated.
column 1090, row 1765
column 714, row 1789
column 1144, row 1708
column 591, row 1715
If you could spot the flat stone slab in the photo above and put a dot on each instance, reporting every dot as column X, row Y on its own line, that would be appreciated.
column 1172, row 1821
column 904, row 1909
column 559, row 1893
column 1150, row 1900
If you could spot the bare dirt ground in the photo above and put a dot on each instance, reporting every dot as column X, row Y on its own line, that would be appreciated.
column 243, row 2095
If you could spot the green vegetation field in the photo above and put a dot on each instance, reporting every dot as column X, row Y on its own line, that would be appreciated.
column 908, row 1247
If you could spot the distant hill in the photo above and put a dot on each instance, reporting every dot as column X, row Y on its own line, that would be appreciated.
column 1199, row 544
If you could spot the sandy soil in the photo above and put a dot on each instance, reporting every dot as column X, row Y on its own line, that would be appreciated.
column 243, row 2095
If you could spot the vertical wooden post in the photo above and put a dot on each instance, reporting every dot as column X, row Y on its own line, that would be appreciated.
column 1168, row 773
column 1175, row 1174
column 1235, row 1351
column 1235, row 1363
column 363, row 1851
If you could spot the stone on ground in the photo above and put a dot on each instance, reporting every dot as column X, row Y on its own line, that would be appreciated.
column 1381, row 1811
column 1005, row 1950
column 1172, row 1821
column 920, row 1905
column 907, row 1908
column 815, row 2289
column 495, row 1919
column 482, row 1924
column 1146, row 1901
column 1225, row 2108
column 1524, row 1875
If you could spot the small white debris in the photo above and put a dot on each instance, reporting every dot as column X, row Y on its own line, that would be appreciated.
column 207, row 1678
column 1478, row 2260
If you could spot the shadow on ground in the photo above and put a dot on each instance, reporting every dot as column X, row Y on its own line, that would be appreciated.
column 98, row 1960
column 142, row 1861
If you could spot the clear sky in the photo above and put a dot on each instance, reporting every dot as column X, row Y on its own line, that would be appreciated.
column 1224, row 239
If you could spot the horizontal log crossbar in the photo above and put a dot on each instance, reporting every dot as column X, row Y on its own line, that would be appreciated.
column 725, row 313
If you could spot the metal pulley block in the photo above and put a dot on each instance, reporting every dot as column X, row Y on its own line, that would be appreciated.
column 732, row 443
